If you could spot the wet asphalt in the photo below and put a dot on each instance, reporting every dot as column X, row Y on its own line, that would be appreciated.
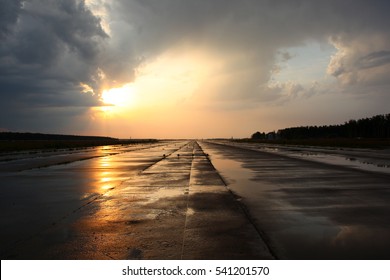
column 189, row 200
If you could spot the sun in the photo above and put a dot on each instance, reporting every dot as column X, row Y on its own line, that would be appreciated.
column 123, row 96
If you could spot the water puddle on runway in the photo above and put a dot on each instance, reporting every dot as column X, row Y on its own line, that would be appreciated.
column 363, row 159
column 303, row 230
column 367, row 164
column 382, row 166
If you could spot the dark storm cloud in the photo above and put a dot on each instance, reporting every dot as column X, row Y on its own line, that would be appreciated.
column 240, row 23
column 46, row 53
column 375, row 59
column 9, row 11
column 69, row 22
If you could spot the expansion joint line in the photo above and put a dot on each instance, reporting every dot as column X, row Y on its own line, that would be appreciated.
column 188, row 198
column 154, row 163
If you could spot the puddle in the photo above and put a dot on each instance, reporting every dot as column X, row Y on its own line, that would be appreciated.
column 352, row 162
column 368, row 160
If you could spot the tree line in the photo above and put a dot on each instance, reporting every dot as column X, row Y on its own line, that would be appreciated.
column 374, row 127
column 42, row 136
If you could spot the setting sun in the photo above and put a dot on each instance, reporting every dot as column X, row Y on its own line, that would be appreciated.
column 123, row 96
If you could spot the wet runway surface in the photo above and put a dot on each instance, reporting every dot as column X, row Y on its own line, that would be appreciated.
column 310, row 209
column 163, row 201
column 190, row 200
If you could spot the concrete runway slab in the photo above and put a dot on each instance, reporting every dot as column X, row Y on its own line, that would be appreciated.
column 309, row 209
column 164, row 202
column 192, row 200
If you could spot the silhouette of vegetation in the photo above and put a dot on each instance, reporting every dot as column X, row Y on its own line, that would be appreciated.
column 41, row 136
column 258, row 135
column 15, row 141
column 375, row 127
column 366, row 132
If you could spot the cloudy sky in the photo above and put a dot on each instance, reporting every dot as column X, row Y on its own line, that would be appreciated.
column 190, row 68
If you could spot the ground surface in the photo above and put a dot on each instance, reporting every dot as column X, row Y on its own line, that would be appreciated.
column 192, row 200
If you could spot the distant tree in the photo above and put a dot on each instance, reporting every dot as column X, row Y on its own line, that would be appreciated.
column 258, row 135
column 375, row 127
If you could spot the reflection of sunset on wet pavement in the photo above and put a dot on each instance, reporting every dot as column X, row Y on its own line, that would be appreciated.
column 135, row 203
column 166, row 201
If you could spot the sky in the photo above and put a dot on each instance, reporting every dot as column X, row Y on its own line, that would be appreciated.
column 190, row 68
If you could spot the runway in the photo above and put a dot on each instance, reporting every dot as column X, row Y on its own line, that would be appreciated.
column 189, row 199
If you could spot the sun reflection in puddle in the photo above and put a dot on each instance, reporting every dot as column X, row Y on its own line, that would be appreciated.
column 105, row 179
column 102, row 178
column 104, row 162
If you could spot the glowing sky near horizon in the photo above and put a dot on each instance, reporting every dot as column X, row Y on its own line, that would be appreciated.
column 190, row 69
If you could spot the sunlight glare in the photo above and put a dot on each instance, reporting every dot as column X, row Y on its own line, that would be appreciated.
column 123, row 96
